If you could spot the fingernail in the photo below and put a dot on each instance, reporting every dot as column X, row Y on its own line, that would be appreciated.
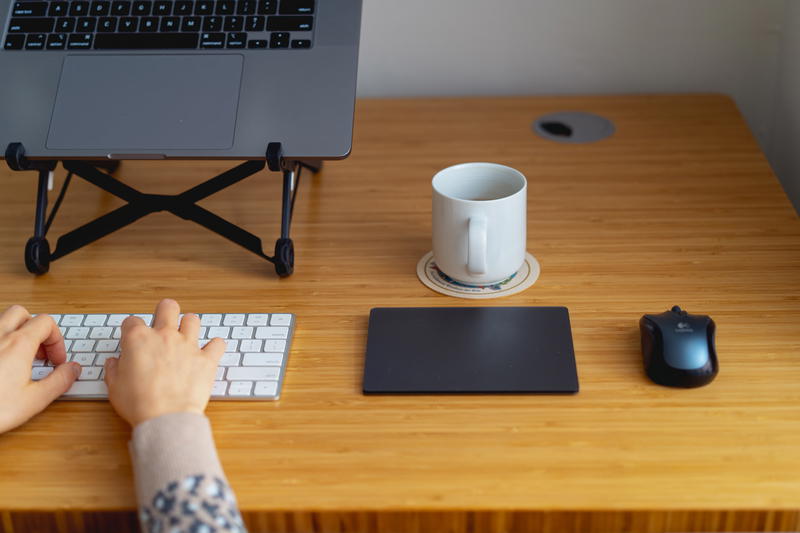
column 76, row 369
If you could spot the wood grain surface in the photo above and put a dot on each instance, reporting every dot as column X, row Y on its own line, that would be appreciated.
column 678, row 207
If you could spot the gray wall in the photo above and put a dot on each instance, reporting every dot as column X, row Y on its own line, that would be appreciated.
column 480, row 47
column 784, row 142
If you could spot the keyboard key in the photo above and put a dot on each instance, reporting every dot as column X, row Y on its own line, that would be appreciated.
column 170, row 23
column 234, row 24
column 233, row 320
column 253, row 373
column 71, row 320
column 250, row 345
column 58, row 9
column 56, row 41
column 257, row 319
column 122, row 41
column 210, row 320
column 94, row 320
column 38, row 362
column 220, row 373
column 86, row 24
column 121, row 9
column 116, row 320
column 184, row 7
column 297, row 7
column 55, row 318
column 78, row 9
column 257, row 43
column 14, row 42
column 41, row 372
column 88, row 388
column 65, row 25
column 255, row 23
column 212, row 24
column 78, row 332
column 281, row 319
column 266, row 388
column 117, row 333
column 128, row 24
column 101, row 333
column 272, row 332
column 89, row 373
column 141, row 8
column 107, row 24
column 218, row 331
column 191, row 24
column 102, row 357
column 301, row 43
column 246, row 7
column 84, row 359
column 274, row 346
column 281, row 23
column 242, row 332
column 279, row 40
column 162, row 8
column 230, row 359
column 231, row 345
column 29, row 9
column 83, row 346
column 79, row 41
column 100, row 8
column 267, row 7
column 35, row 41
column 219, row 388
column 67, row 345
column 107, row 346
column 225, row 7
column 147, row 318
column 262, row 359
column 204, row 7
column 240, row 388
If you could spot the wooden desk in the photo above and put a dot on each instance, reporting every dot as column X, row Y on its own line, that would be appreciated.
column 679, row 206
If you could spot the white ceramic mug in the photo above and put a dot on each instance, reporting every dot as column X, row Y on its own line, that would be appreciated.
column 479, row 222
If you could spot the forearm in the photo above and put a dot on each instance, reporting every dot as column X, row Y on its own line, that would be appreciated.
column 179, row 479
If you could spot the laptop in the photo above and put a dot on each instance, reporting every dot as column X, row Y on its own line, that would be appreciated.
column 188, row 79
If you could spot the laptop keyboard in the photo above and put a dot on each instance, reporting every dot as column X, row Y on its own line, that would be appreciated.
column 160, row 24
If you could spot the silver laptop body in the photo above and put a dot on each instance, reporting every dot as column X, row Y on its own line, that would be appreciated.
column 273, row 71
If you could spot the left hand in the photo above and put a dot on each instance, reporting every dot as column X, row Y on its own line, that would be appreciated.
column 23, row 338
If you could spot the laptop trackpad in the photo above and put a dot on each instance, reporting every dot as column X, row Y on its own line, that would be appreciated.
column 125, row 103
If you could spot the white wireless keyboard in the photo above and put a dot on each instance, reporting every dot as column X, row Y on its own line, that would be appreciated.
column 252, row 368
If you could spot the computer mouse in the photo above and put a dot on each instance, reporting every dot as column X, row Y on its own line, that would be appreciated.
column 678, row 348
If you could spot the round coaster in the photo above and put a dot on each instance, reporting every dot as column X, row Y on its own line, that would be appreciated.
column 430, row 275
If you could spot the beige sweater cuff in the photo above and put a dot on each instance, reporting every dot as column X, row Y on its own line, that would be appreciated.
column 169, row 448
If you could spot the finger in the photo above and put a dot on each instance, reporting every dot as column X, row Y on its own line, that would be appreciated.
column 214, row 349
column 12, row 318
column 167, row 312
column 41, row 393
column 190, row 326
column 43, row 331
column 129, row 323
column 111, row 371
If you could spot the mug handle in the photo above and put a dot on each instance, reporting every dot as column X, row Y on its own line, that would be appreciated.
column 476, row 249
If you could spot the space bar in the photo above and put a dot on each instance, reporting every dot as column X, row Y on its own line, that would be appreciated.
column 142, row 41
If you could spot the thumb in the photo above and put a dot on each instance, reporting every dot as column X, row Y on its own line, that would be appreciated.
column 43, row 392
column 111, row 371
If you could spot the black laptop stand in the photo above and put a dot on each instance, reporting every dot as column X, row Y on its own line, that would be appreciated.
column 37, row 250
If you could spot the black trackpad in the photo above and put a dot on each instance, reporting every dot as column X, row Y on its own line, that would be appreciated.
column 470, row 350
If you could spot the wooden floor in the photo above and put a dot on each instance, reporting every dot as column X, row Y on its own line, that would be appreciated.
column 678, row 207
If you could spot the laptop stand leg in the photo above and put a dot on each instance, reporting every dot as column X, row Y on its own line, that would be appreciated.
column 37, row 249
column 284, row 247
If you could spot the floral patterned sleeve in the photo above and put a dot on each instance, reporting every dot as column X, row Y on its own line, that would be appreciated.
column 180, row 485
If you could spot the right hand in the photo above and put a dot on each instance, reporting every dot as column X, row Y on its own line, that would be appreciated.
column 161, row 370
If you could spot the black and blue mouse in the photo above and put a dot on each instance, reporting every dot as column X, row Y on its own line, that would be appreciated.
column 678, row 348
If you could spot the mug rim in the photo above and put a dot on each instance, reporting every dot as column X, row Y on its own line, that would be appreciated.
column 485, row 164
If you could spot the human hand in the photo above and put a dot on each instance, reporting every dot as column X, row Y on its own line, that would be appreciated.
column 161, row 369
column 23, row 338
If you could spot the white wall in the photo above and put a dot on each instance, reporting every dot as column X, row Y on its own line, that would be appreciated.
column 483, row 47
column 784, row 143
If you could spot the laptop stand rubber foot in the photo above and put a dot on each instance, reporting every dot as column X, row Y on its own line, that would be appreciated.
column 284, row 257
column 37, row 255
